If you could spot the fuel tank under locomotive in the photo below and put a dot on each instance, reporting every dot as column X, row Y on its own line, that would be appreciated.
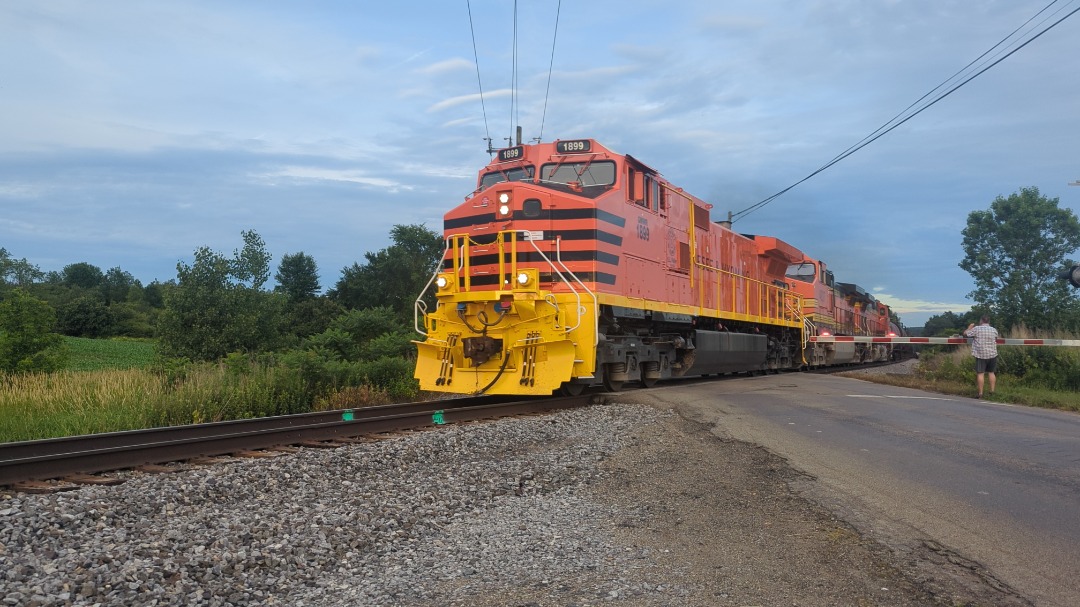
column 637, row 344
column 699, row 353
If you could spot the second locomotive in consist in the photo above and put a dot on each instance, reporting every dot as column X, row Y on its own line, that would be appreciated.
column 572, row 265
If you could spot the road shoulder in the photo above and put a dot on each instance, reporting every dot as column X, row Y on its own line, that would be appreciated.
column 735, row 522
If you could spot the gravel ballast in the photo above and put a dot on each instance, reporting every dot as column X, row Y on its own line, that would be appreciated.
column 607, row 505
column 431, row 518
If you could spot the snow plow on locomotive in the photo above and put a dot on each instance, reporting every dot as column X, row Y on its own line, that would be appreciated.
column 572, row 265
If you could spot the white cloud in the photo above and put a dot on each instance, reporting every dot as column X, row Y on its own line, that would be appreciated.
column 325, row 174
column 447, row 66
column 471, row 98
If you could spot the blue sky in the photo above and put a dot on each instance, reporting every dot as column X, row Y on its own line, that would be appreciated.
column 132, row 133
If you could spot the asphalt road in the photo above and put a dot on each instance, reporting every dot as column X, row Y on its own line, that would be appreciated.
column 986, row 489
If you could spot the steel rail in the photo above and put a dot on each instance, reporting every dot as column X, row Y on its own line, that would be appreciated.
column 87, row 454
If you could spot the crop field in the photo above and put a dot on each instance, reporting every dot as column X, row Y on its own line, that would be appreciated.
column 101, row 354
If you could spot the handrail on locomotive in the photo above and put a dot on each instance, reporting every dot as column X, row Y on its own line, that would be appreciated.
column 460, row 273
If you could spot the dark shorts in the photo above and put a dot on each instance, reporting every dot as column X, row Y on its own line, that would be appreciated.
column 986, row 365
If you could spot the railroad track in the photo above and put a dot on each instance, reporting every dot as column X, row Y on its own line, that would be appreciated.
column 25, row 466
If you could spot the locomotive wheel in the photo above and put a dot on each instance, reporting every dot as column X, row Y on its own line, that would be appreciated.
column 611, row 371
column 611, row 385
column 571, row 389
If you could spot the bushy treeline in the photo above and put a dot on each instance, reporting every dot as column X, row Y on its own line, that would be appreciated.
column 87, row 301
column 219, row 310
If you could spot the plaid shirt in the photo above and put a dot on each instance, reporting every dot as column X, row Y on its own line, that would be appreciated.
column 983, row 342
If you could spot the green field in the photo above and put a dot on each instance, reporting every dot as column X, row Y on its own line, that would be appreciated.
column 101, row 354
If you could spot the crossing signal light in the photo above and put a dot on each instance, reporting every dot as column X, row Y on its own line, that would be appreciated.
column 1072, row 275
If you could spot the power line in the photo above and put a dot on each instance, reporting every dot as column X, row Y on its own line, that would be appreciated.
column 514, row 77
column 953, row 77
column 551, row 64
column 476, row 58
column 882, row 130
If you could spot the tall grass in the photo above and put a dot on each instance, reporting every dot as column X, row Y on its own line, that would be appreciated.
column 66, row 403
column 43, row 405
column 76, row 402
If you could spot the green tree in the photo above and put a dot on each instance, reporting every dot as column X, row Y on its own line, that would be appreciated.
column 394, row 276
column 154, row 294
column 946, row 324
column 252, row 263
column 212, row 311
column 367, row 334
column 17, row 272
column 83, row 275
column 28, row 341
column 297, row 277
column 85, row 316
column 115, row 286
column 310, row 316
column 131, row 319
column 1014, row 252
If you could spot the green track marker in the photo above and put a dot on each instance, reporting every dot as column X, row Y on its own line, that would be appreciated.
column 437, row 417
column 347, row 416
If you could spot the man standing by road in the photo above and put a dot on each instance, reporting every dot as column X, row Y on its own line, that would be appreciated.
column 984, row 349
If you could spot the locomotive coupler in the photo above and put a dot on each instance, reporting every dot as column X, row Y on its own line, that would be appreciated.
column 480, row 349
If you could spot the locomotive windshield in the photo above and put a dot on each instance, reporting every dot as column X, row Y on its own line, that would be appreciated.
column 524, row 173
column 801, row 271
column 589, row 179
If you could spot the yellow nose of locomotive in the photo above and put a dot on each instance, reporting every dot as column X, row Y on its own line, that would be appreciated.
column 516, row 339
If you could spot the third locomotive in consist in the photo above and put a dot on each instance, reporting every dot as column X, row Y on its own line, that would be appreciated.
column 572, row 265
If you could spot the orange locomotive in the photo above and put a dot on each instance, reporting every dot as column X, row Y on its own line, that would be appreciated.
column 835, row 308
column 572, row 265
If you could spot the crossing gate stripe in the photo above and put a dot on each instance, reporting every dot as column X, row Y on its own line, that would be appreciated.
column 869, row 339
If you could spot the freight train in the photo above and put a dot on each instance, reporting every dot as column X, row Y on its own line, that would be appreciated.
column 572, row 265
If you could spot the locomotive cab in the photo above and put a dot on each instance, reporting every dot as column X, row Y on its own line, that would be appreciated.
column 838, row 308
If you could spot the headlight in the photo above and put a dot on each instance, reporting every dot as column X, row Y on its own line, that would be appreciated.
column 523, row 279
column 504, row 203
column 441, row 282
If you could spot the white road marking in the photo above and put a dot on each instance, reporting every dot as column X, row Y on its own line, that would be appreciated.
column 897, row 396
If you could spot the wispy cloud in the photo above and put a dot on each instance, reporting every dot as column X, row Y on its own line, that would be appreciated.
column 326, row 174
column 471, row 98
column 456, row 64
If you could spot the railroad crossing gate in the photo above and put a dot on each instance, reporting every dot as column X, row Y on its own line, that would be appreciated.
column 830, row 339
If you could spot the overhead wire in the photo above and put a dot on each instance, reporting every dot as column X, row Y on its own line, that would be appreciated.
column 551, row 65
column 953, row 77
column 514, row 77
column 480, row 85
column 882, row 130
